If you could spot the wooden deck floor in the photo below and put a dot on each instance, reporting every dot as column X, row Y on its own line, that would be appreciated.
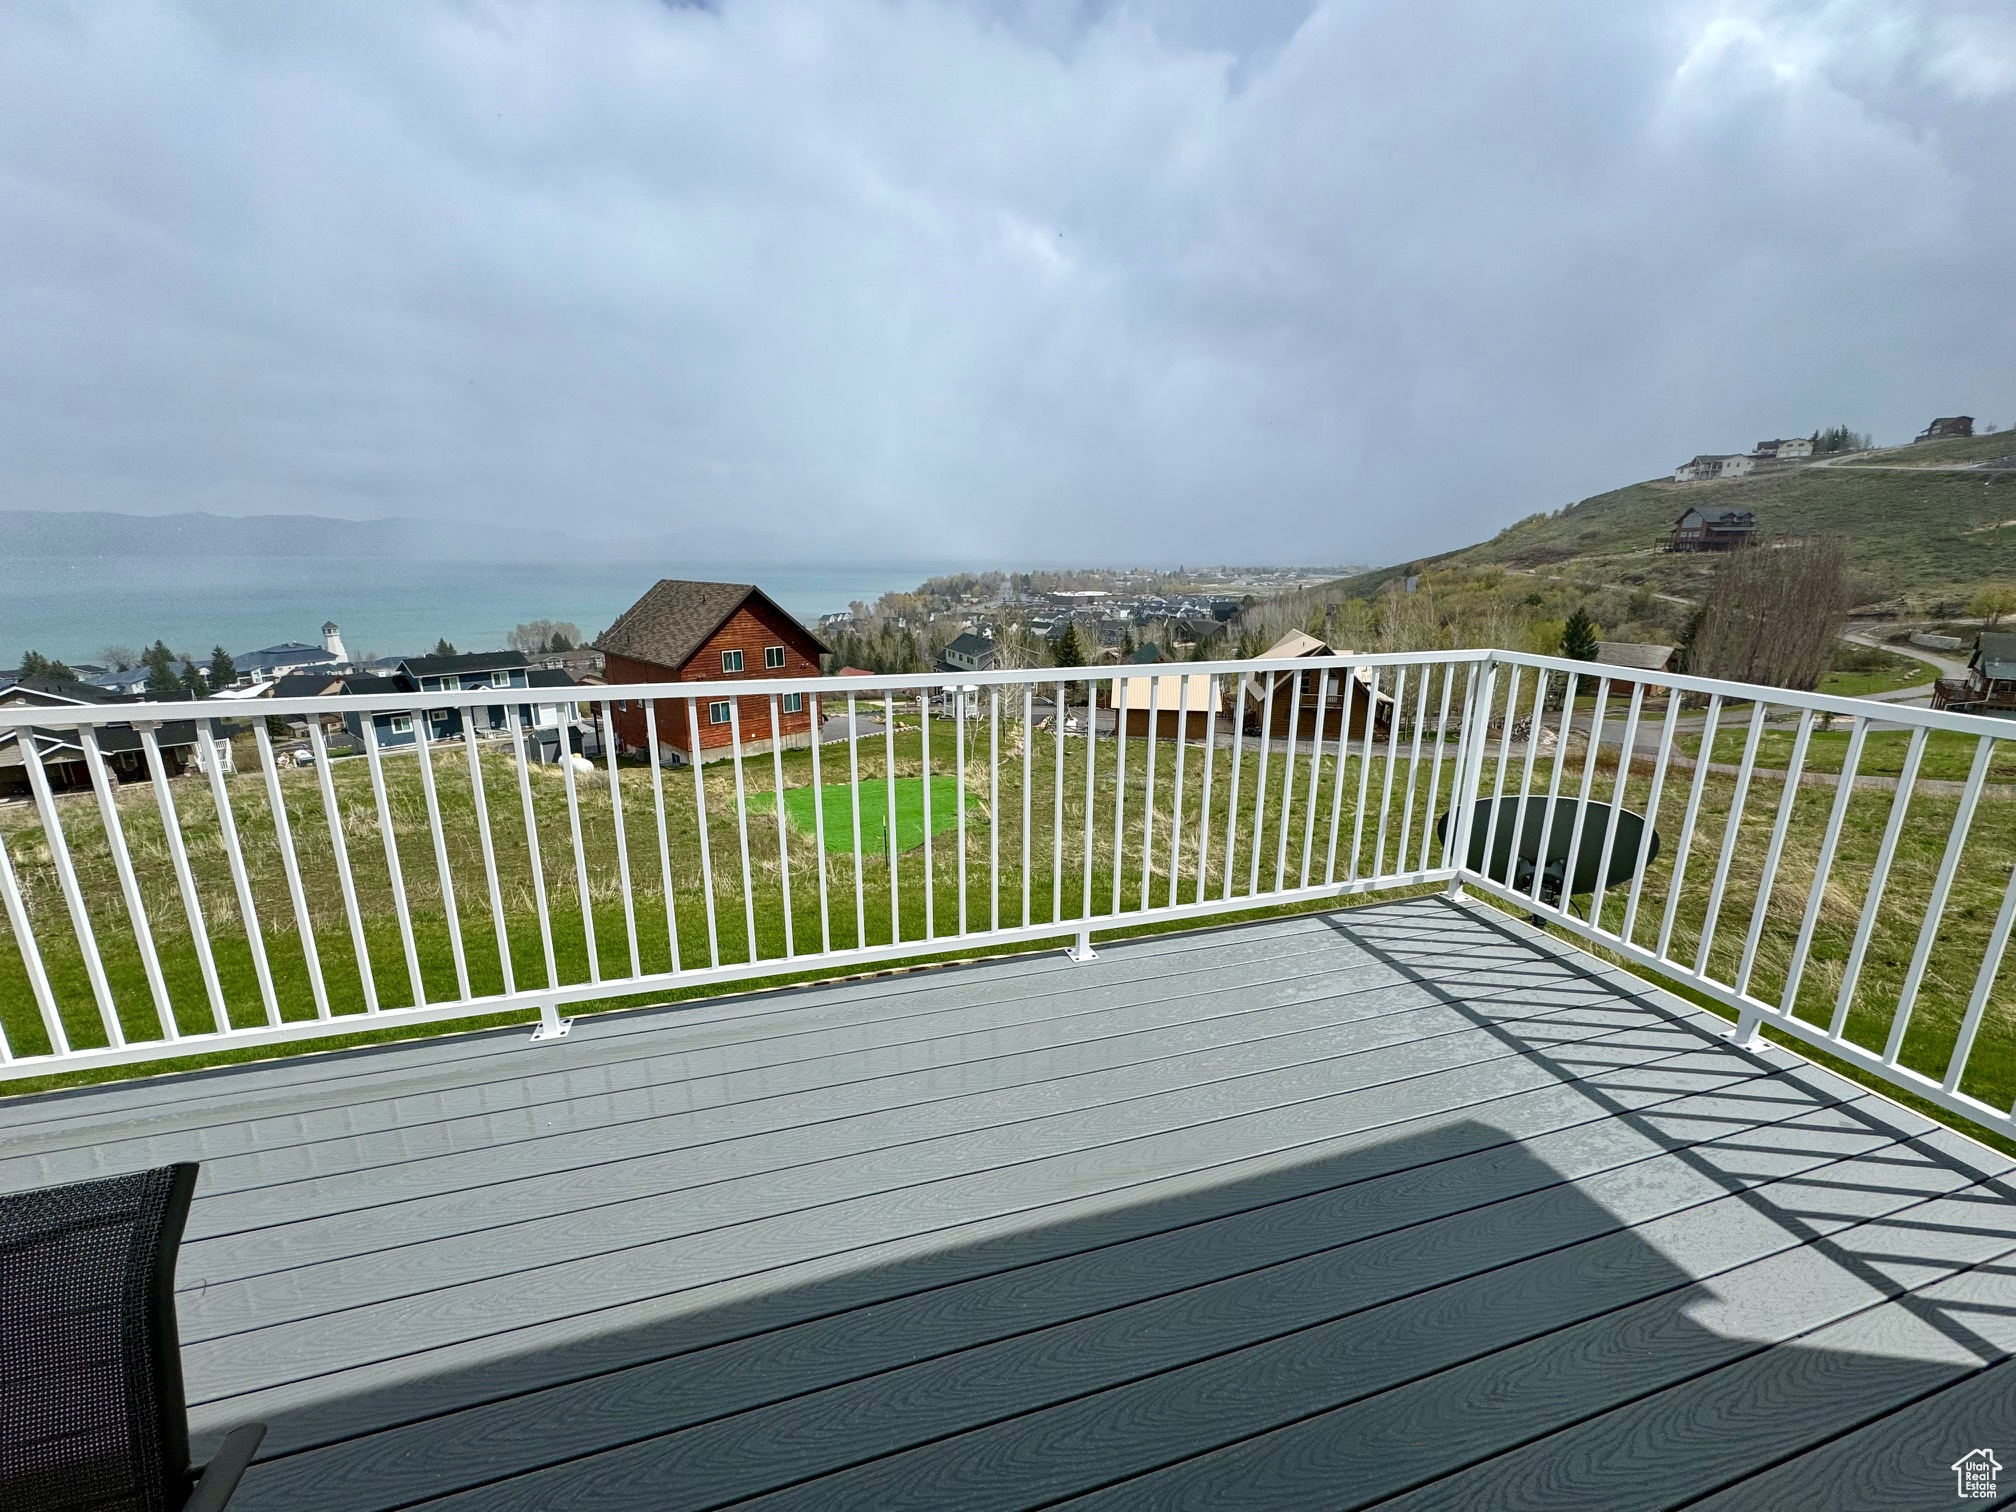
column 1400, row 1206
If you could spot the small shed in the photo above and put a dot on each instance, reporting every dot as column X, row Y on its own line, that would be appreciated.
column 1179, row 702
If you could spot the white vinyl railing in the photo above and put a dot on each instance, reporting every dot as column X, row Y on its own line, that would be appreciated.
column 1836, row 868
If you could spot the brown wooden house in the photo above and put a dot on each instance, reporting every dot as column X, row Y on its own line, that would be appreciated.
column 1711, row 530
column 683, row 631
column 1272, row 705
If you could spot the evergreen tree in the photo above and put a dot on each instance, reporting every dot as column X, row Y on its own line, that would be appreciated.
column 1070, row 650
column 192, row 680
column 445, row 647
column 223, row 671
column 560, row 642
column 161, row 679
column 1127, row 646
column 1683, row 654
column 1578, row 636
column 35, row 664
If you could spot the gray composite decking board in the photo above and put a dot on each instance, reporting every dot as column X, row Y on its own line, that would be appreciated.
column 1901, row 1461
column 1094, row 1440
column 1698, row 1437
column 426, row 1158
column 560, row 1076
column 362, row 1397
column 1825, row 1349
column 734, row 1188
column 398, row 1304
column 1424, row 1431
column 602, row 1040
column 676, row 1077
column 306, row 1221
column 804, row 1007
column 697, row 1385
column 1450, row 1268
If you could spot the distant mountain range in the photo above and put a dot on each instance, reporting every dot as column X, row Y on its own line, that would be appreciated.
column 28, row 535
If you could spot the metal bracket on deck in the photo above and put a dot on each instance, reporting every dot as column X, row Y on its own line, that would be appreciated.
column 1745, row 1036
column 1083, row 950
column 551, row 1025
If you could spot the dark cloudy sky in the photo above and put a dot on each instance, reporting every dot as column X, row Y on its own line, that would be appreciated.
column 1164, row 280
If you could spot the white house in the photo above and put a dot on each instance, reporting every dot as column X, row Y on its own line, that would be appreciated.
column 1786, row 449
column 1713, row 465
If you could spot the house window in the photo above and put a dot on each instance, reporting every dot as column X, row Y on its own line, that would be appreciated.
column 500, row 679
column 773, row 657
column 717, row 713
column 401, row 724
column 731, row 661
column 794, row 703
column 451, row 683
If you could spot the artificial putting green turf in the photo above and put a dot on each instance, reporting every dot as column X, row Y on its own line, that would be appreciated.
column 837, row 798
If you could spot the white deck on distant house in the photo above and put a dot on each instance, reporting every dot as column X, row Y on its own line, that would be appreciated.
column 1400, row 1205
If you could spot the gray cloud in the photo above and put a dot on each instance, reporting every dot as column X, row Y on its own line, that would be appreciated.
column 1048, row 280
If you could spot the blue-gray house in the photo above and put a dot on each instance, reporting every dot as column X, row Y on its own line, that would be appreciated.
column 429, row 674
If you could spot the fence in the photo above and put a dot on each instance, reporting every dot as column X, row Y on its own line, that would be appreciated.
column 1850, row 885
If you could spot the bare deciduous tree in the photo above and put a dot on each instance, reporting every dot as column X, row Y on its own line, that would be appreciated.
column 539, row 635
column 1773, row 613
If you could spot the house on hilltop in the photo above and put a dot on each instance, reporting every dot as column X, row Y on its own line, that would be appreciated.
column 1711, row 530
column 1786, row 449
column 682, row 631
column 1712, row 465
column 1947, row 428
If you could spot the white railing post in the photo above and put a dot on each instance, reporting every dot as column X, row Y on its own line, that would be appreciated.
column 1469, row 776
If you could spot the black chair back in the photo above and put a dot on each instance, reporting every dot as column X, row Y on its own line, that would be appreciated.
column 91, row 1407
column 1635, row 846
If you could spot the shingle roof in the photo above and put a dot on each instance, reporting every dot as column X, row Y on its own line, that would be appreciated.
column 549, row 677
column 68, row 689
column 675, row 617
column 366, row 686
column 969, row 644
column 1995, row 653
column 304, row 684
column 1640, row 655
column 466, row 661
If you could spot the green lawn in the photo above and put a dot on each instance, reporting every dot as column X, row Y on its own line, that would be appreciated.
column 1874, row 671
column 1947, row 756
column 836, row 798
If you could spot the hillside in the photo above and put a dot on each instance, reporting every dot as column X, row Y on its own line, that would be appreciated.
column 1925, row 524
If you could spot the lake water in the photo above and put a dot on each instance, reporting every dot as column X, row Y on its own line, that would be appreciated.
column 70, row 607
